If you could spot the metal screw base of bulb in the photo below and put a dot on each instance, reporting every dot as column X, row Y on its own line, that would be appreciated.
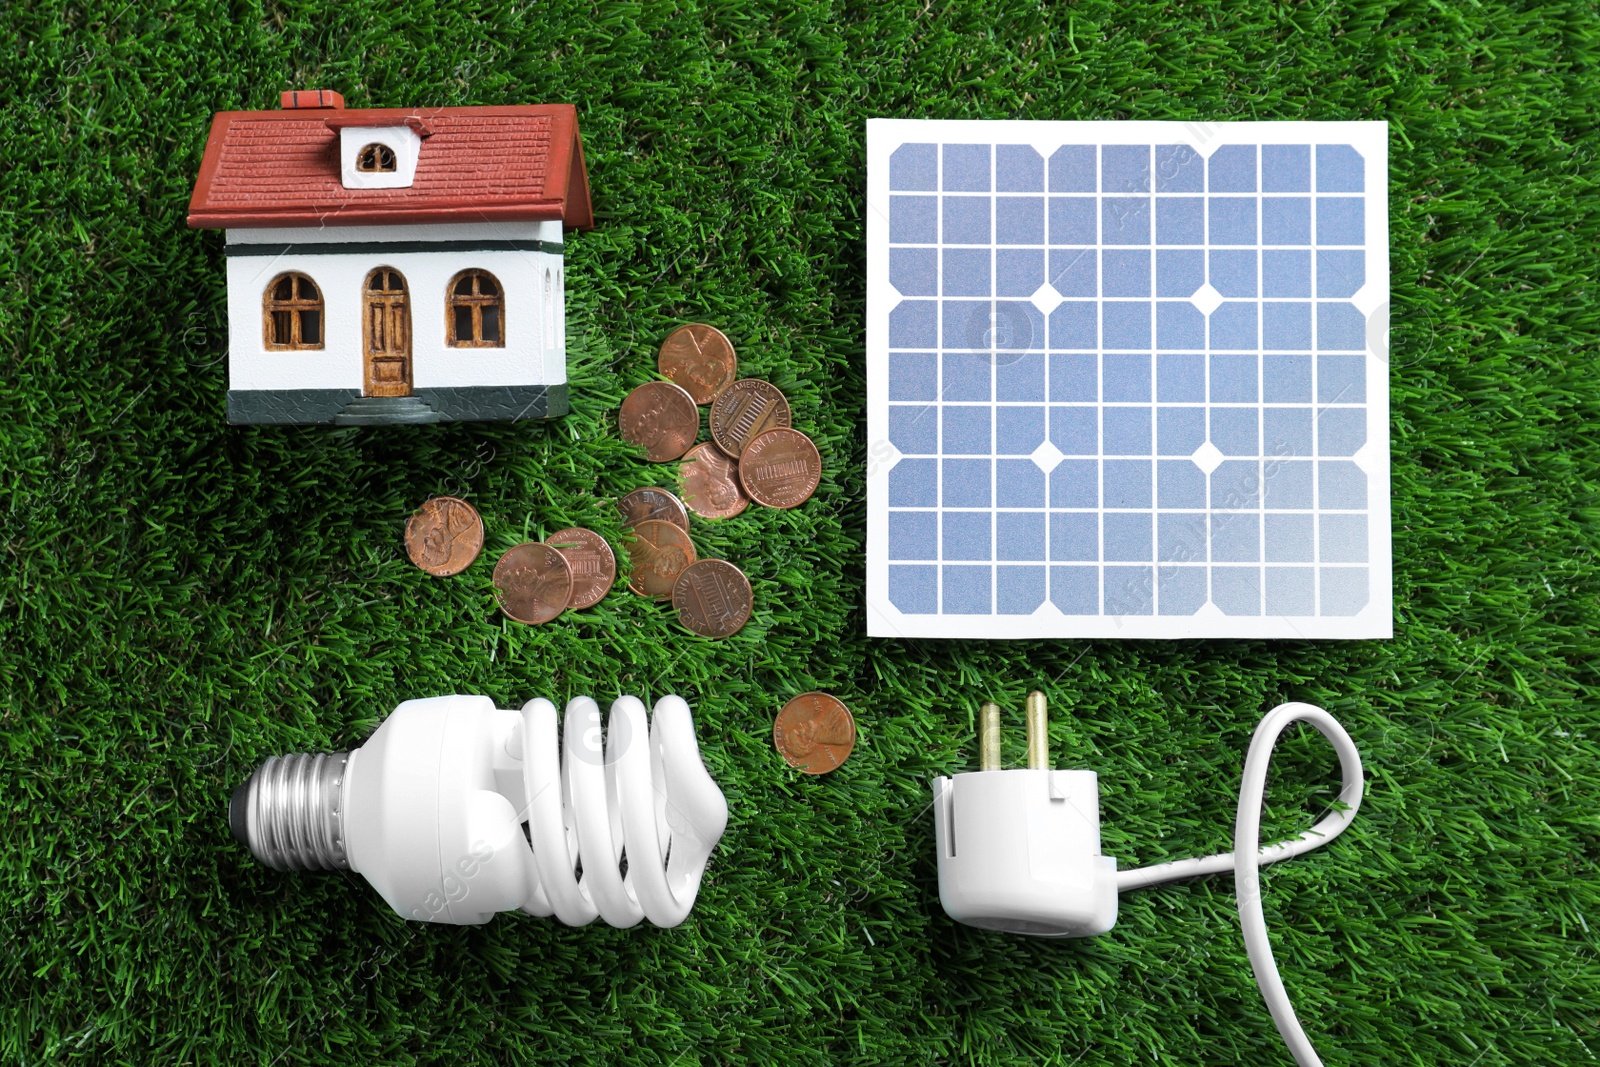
column 289, row 813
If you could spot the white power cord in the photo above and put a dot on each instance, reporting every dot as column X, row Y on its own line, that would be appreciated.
column 1019, row 850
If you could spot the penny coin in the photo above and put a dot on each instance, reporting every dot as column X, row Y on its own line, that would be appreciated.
column 661, row 418
column 652, row 503
column 712, row 598
column 814, row 732
column 444, row 536
column 700, row 358
column 780, row 468
column 660, row 551
column 532, row 582
column 594, row 567
column 711, row 483
column 746, row 408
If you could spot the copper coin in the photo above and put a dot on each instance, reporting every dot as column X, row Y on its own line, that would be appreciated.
column 745, row 409
column 444, row 536
column 712, row 598
column 711, row 483
column 662, row 418
column 700, row 358
column 533, row 582
column 780, row 468
column 814, row 732
column 652, row 503
column 660, row 551
column 594, row 567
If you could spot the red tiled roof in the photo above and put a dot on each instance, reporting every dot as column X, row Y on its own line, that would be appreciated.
column 477, row 164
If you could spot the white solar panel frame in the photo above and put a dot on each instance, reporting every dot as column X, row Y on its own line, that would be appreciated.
column 885, row 619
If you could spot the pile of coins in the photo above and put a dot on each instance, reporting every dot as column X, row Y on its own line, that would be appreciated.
column 754, row 454
column 711, row 596
column 533, row 582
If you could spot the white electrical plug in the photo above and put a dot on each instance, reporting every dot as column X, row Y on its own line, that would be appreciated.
column 1019, row 850
column 455, row 810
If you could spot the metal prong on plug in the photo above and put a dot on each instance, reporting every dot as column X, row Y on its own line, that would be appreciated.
column 1038, row 733
column 989, row 738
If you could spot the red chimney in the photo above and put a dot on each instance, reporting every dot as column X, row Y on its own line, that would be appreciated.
column 311, row 98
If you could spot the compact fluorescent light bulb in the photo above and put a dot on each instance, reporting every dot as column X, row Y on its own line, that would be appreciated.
column 433, row 810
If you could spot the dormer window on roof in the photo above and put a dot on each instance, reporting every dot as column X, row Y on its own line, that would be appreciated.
column 376, row 159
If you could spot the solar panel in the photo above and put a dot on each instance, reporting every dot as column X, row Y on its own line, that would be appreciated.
column 1127, row 379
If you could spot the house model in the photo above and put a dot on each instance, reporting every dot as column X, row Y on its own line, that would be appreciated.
column 394, row 265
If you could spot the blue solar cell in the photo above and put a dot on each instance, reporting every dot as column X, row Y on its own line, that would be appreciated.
column 1289, row 538
column 1072, row 430
column 914, row 428
column 1181, row 220
column 1344, row 589
column 966, row 271
column 1289, row 591
column 1340, row 484
column 1286, row 483
column 1236, row 590
column 966, row 323
column 1233, row 379
column 1072, row 220
column 1285, row 220
column 966, row 376
column 914, row 167
column 914, row 324
column 1075, row 483
column 1073, row 377
column 1018, row 483
column 1074, row 536
column 914, row 483
column 1341, row 431
column 1342, row 379
column 1019, row 535
column 1017, row 325
column 1127, row 431
column 1019, row 590
column 1179, row 169
column 1072, row 169
column 1130, row 590
column 1019, row 376
column 1340, row 272
column 966, row 483
column 1126, row 536
column 912, row 535
column 914, row 590
column 1233, row 431
column 1179, row 431
column 1180, row 484
column 1340, row 327
column 1179, row 325
column 1125, row 377
column 1233, row 326
column 1235, row 485
column 1018, row 430
column 1286, row 168
column 1018, row 271
column 1019, row 220
column 1127, row 483
column 913, row 376
column 1180, row 590
column 1181, row 538
column 1125, row 324
column 1125, row 272
column 1286, row 326
column 1072, row 272
column 1125, row 168
column 967, row 590
column 1340, row 169
column 1075, row 590
column 966, row 430
column 914, row 219
column 1236, row 538
column 1180, row 271
column 966, row 535
column 966, row 220
column 966, row 168
column 1181, row 378
column 1018, row 169
column 1074, row 324
column 1286, row 379
column 1342, row 538
column 914, row 271
column 1233, row 220
column 1285, row 272
column 1286, row 431
column 1232, row 169
column 1125, row 220
column 1233, row 272
column 1341, row 220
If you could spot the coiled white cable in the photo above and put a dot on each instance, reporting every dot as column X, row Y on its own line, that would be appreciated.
column 1248, row 857
column 646, row 800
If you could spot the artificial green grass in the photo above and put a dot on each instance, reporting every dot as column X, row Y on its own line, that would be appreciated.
column 179, row 600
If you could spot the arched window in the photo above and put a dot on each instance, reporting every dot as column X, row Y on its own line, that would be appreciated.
column 377, row 159
column 476, row 311
column 291, row 313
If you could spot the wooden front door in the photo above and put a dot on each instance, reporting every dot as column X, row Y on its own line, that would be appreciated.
column 387, row 332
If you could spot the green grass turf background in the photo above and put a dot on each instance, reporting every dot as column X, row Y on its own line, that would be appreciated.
column 179, row 600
